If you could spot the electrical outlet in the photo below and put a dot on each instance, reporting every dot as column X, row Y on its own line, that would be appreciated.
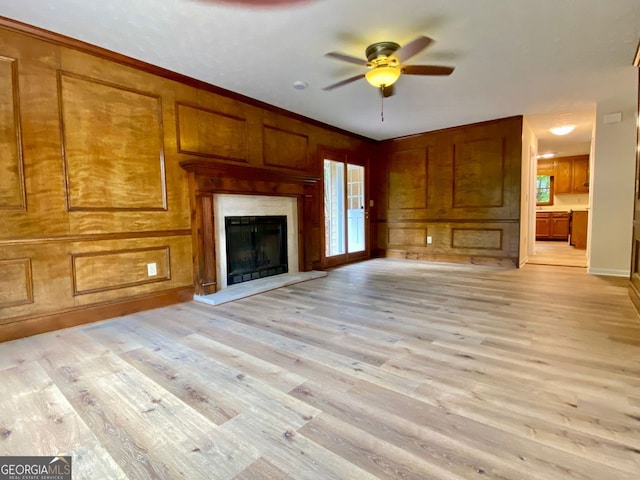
column 152, row 269
column 429, row 239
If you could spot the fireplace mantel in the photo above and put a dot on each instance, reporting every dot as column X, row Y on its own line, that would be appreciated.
column 208, row 178
column 249, row 173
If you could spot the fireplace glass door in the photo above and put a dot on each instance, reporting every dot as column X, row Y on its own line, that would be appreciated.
column 256, row 247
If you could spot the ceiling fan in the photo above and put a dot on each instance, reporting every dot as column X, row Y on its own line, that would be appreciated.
column 385, row 61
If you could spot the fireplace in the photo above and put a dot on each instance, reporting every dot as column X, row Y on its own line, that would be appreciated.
column 220, row 190
column 256, row 247
column 233, row 205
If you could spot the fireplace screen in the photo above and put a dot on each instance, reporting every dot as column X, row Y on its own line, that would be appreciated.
column 256, row 247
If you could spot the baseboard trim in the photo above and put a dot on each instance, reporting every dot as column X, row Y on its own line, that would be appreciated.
column 606, row 272
column 26, row 327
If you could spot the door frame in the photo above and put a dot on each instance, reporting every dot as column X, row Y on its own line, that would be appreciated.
column 348, row 158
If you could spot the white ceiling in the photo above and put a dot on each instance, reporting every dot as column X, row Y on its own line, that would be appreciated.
column 550, row 60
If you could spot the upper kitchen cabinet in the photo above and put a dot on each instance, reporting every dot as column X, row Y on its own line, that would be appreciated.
column 563, row 175
column 571, row 174
column 580, row 174
column 546, row 167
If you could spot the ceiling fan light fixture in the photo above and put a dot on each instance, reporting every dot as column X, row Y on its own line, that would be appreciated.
column 562, row 130
column 383, row 76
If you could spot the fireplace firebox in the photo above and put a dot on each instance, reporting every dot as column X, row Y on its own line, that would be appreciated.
column 256, row 247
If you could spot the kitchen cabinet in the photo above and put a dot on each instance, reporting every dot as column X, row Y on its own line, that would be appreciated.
column 552, row 225
column 563, row 179
column 543, row 225
column 546, row 167
column 570, row 174
column 580, row 174
column 579, row 221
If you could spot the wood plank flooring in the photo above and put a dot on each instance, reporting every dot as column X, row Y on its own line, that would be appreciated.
column 552, row 252
column 389, row 369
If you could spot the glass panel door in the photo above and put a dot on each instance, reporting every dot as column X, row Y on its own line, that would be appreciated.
column 334, row 208
column 355, row 208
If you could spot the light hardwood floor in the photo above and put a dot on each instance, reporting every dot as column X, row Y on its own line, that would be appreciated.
column 384, row 369
column 551, row 252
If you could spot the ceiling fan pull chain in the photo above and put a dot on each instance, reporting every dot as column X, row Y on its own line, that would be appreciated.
column 382, row 103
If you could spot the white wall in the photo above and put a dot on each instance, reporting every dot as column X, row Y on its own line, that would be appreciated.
column 612, row 181
column 567, row 201
column 527, row 202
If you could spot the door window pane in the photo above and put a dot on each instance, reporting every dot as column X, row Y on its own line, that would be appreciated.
column 334, row 208
column 355, row 208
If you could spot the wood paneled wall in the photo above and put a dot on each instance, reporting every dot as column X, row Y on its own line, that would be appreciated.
column 91, row 188
column 92, row 191
column 459, row 186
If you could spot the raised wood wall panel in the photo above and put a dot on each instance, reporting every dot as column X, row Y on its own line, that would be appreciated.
column 206, row 272
column 408, row 176
column 470, row 181
column 209, row 133
column 283, row 148
column 113, row 146
column 99, row 271
column 53, row 277
column 452, row 242
column 172, row 254
column 475, row 238
column 407, row 236
column 50, row 277
column 37, row 64
column 12, row 185
column 478, row 174
column 314, row 232
column 16, row 282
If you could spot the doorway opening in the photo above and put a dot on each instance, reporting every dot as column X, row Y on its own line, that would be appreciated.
column 345, row 210
column 561, row 216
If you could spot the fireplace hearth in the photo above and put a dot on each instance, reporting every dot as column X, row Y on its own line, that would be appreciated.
column 256, row 247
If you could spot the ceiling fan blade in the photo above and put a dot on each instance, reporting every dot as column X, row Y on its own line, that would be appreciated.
column 344, row 82
column 347, row 58
column 426, row 70
column 412, row 48
column 388, row 91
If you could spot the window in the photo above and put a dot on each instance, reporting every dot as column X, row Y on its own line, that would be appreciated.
column 544, row 190
column 334, row 211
